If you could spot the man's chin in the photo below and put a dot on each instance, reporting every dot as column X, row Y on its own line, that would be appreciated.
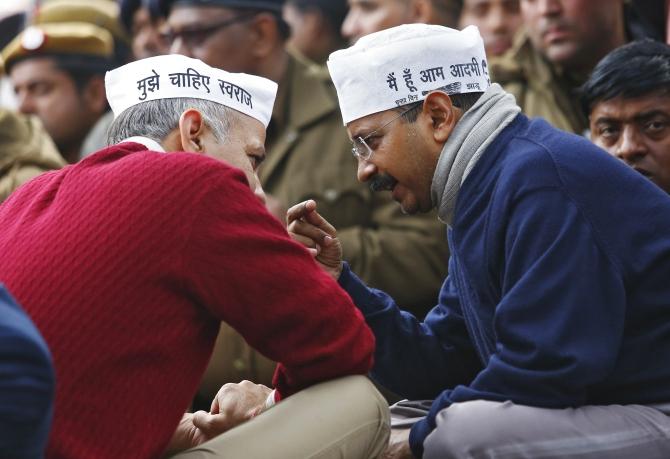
column 409, row 208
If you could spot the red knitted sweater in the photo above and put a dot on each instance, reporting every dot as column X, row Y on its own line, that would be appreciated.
column 128, row 260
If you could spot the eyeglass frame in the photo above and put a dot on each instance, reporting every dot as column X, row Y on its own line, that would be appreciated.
column 203, row 33
column 369, row 152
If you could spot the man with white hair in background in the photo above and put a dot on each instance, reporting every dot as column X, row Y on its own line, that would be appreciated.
column 549, row 329
column 129, row 260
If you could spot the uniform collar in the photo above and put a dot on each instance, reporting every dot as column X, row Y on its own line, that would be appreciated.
column 291, row 108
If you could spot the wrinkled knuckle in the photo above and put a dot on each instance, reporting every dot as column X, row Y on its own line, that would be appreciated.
column 227, row 388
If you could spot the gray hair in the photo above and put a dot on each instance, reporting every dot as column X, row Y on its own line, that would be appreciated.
column 464, row 101
column 155, row 119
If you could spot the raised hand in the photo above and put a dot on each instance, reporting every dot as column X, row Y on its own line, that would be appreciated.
column 308, row 227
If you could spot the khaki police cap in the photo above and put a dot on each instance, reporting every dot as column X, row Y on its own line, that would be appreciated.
column 65, row 38
column 102, row 13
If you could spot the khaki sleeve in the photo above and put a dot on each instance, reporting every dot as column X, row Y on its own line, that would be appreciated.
column 26, row 151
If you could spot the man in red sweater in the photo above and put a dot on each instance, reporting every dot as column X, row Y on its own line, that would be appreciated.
column 128, row 260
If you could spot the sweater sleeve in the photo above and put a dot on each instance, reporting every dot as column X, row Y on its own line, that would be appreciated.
column 416, row 359
column 394, row 250
column 247, row 272
column 559, row 322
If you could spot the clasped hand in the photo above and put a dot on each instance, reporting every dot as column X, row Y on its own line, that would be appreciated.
column 233, row 405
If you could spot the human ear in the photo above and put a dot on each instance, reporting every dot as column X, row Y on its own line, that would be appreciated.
column 265, row 34
column 191, row 130
column 95, row 96
column 439, row 109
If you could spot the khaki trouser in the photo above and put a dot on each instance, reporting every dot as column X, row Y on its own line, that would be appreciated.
column 484, row 429
column 346, row 418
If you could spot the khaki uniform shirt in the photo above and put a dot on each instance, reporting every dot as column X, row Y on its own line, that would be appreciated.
column 541, row 90
column 96, row 139
column 26, row 151
column 309, row 157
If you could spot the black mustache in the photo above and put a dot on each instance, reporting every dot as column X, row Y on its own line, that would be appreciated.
column 383, row 182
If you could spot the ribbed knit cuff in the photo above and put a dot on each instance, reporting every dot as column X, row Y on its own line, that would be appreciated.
column 360, row 294
column 417, row 436
column 270, row 401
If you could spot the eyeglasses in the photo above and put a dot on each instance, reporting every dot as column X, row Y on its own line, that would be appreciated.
column 362, row 150
column 196, row 36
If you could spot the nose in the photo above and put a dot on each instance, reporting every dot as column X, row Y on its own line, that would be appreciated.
column 258, row 189
column 350, row 26
column 25, row 104
column 631, row 146
column 178, row 46
column 366, row 170
column 549, row 7
column 496, row 21
column 149, row 42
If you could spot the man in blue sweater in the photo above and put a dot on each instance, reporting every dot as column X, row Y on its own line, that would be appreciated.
column 551, row 336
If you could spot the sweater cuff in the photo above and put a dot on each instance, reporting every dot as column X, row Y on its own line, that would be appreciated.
column 363, row 297
column 417, row 436
column 271, row 400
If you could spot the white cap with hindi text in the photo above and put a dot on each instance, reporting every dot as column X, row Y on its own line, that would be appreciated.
column 401, row 65
column 176, row 76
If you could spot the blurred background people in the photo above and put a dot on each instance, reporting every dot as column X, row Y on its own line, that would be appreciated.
column 101, row 13
column 26, row 384
column 308, row 157
column 57, row 71
column 13, row 17
column 367, row 16
column 646, row 18
column 562, row 42
column 57, row 68
column 497, row 20
column 315, row 27
column 26, row 151
column 143, row 23
column 627, row 100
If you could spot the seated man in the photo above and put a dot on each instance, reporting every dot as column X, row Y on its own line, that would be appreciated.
column 128, row 260
column 550, row 327
column 26, row 384
column 627, row 101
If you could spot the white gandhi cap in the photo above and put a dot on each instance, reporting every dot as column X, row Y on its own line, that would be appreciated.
column 176, row 76
column 401, row 65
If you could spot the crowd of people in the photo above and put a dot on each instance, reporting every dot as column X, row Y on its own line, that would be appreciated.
column 326, row 228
